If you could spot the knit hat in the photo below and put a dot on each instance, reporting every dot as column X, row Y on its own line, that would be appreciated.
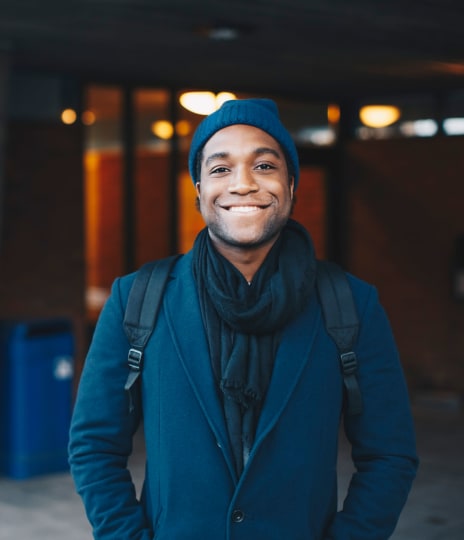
column 260, row 113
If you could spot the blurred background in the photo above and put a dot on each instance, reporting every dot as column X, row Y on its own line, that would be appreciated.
column 98, row 103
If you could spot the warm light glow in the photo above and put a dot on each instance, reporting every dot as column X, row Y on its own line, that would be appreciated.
column 199, row 102
column 88, row 118
column 183, row 128
column 333, row 114
column 68, row 116
column 204, row 102
column 378, row 116
column 162, row 129
column 222, row 97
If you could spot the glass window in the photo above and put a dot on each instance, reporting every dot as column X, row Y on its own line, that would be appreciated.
column 152, row 172
column 103, row 192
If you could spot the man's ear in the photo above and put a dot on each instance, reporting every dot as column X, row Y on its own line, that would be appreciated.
column 197, row 188
column 292, row 186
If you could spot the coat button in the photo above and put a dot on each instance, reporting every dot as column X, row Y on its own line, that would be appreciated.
column 238, row 516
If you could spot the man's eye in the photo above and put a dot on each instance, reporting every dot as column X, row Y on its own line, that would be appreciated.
column 265, row 166
column 219, row 170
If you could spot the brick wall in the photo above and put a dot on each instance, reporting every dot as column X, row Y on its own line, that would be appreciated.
column 310, row 206
column 41, row 252
column 152, row 206
column 406, row 208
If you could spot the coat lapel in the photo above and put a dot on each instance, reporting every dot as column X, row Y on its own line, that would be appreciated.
column 292, row 357
column 186, row 326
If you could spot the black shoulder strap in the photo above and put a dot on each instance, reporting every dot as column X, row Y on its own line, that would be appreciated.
column 142, row 309
column 341, row 321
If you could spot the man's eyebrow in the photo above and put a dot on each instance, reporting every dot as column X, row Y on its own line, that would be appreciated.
column 258, row 152
column 267, row 150
column 216, row 155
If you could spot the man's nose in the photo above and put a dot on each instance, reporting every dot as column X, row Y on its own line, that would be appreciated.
column 242, row 182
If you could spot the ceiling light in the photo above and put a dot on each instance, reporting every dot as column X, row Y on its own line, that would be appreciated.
column 454, row 126
column 426, row 127
column 222, row 97
column 68, row 116
column 378, row 116
column 419, row 128
column 223, row 33
column 204, row 102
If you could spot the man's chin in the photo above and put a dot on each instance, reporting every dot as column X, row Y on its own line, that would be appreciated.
column 245, row 242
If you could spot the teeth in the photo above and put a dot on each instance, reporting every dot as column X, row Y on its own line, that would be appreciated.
column 243, row 208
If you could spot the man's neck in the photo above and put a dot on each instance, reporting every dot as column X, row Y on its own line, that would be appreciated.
column 246, row 260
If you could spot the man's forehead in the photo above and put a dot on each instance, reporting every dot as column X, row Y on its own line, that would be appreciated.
column 255, row 152
column 243, row 137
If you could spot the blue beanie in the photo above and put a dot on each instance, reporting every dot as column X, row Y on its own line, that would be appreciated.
column 260, row 113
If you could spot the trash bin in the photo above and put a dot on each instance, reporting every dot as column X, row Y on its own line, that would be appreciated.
column 36, row 373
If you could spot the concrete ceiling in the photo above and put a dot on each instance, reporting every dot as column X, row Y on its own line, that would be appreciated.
column 329, row 49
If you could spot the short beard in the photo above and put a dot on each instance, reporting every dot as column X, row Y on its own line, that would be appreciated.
column 269, row 236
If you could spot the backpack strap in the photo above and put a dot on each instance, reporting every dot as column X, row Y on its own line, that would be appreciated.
column 334, row 293
column 341, row 321
column 141, row 311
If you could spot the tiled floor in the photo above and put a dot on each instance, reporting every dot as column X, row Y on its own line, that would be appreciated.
column 46, row 508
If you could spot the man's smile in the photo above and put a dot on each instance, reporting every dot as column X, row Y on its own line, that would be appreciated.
column 244, row 209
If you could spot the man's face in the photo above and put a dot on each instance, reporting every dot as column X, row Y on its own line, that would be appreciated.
column 245, row 194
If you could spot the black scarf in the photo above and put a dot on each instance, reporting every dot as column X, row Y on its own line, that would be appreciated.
column 243, row 322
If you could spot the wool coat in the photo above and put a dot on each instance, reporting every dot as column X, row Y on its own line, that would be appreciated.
column 288, row 489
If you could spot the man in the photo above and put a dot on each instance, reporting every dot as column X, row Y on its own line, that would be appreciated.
column 242, row 392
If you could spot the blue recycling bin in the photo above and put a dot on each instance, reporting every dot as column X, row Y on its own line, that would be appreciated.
column 36, row 374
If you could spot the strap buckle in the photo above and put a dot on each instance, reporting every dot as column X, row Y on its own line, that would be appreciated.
column 349, row 362
column 134, row 359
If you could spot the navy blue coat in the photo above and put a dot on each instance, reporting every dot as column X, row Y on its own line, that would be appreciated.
column 288, row 490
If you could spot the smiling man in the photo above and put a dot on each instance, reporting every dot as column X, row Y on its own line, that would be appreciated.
column 242, row 394
column 245, row 194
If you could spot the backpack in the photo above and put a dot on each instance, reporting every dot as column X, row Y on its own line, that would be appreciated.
column 335, row 295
